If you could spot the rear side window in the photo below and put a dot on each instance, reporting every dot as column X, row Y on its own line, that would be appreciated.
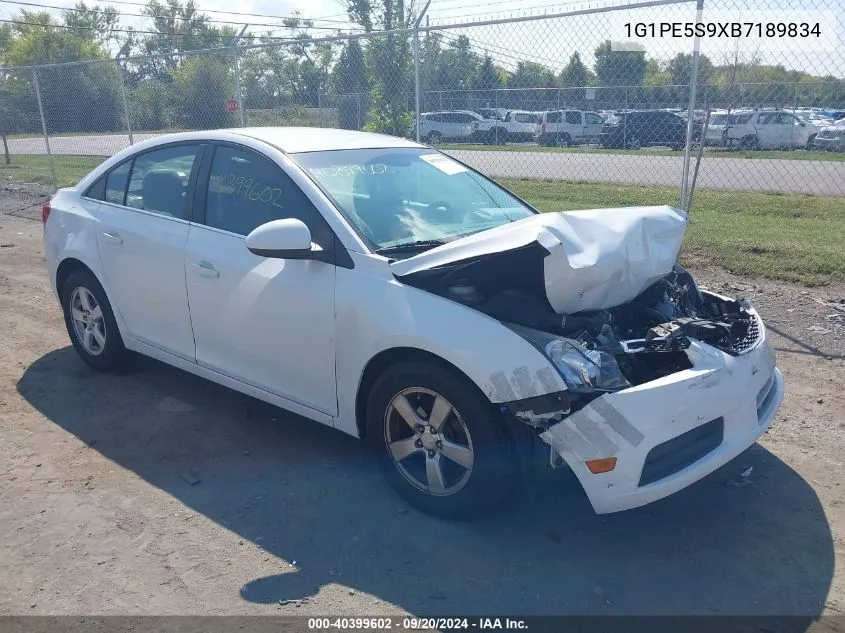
column 159, row 181
column 525, row 118
column 573, row 117
column 116, row 183
column 97, row 191
column 552, row 117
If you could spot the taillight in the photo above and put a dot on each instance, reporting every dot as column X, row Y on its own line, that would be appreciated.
column 45, row 212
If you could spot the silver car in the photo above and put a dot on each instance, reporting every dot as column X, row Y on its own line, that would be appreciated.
column 831, row 138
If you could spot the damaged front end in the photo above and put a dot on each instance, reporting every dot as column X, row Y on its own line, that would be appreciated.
column 660, row 375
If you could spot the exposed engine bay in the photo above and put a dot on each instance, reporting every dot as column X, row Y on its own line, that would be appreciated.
column 646, row 336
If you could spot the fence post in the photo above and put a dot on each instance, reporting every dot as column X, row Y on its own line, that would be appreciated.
column 44, row 128
column 693, row 85
column 238, row 74
column 416, row 41
column 125, row 101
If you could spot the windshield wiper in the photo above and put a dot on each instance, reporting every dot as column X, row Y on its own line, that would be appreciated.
column 410, row 246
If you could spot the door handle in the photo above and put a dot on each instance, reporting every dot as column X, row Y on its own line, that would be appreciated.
column 113, row 237
column 205, row 269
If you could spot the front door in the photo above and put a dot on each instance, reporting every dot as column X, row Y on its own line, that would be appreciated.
column 266, row 322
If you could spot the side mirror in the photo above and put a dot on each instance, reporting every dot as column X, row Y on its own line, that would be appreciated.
column 282, row 239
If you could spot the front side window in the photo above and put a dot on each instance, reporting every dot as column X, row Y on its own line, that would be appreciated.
column 159, row 180
column 553, row 117
column 399, row 196
column 246, row 190
column 593, row 118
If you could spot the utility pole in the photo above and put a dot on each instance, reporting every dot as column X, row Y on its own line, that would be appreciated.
column 417, row 69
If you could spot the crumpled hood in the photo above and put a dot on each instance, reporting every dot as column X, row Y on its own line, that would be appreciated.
column 597, row 259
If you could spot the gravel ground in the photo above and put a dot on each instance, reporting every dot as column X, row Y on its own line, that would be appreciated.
column 155, row 492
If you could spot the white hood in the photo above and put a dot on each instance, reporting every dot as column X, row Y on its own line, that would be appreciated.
column 597, row 259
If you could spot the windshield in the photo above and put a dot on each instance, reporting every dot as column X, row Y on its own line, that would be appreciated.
column 403, row 196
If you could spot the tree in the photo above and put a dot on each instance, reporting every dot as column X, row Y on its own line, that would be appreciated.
column 74, row 98
column 488, row 77
column 349, row 81
column 202, row 86
column 97, row 23
column 680, row 69
column 389, row 62
column 575, row 74
column 619, row 68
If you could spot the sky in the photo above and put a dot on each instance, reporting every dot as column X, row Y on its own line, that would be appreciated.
column 552, row 41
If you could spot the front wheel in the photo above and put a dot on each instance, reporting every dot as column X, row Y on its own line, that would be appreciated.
column 438, row 440
column 90, row 322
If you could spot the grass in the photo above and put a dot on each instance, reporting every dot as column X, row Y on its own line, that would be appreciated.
column 69, row 169
column 710, row 153
column 792, row 237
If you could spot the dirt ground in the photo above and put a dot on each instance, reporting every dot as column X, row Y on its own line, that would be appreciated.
column 154, row 492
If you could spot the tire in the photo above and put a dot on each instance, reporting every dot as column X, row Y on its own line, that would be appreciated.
column 434, row 138
column 811, row 141
column 633, row 143
column 500, row 136
column 470, row 426
column 99, row 343
column 564, row 141
column 749, row 143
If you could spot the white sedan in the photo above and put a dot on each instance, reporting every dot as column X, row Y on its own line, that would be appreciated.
column 378, row 286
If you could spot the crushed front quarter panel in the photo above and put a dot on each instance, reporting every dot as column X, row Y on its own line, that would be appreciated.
column 628, row 424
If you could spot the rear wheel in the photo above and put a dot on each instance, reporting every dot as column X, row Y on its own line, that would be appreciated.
column 634, row 143
column 438, row 440
column 749, row 143
column 564, row 140
column 434, row 138
column 90, row 322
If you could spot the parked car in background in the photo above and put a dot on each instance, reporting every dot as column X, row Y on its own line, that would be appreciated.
column 831, row 138
column 641, row 128
column 453, row 125
column 760, row 129
column 568, row 127
column 521, row 125
column 497, row 114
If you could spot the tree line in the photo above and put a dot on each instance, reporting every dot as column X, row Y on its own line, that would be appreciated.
column 369, row 80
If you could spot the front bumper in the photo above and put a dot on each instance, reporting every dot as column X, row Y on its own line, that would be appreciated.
column 738, row 394
column 830, row 144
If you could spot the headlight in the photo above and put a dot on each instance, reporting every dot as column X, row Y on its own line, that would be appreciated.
column 584, row 370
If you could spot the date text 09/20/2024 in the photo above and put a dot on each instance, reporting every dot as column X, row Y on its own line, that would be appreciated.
column 409, row 623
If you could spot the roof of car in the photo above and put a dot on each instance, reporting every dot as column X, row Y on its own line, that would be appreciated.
column 314, row 139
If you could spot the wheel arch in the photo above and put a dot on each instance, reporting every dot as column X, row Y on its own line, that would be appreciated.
column 67, row 267
column 380, row 363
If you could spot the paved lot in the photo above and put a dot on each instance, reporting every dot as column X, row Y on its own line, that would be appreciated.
column 795, row 176
column 98, row 514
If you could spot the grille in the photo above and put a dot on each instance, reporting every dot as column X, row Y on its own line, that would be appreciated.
column 752, row 335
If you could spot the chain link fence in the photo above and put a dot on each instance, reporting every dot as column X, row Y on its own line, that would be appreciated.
column 551, row 97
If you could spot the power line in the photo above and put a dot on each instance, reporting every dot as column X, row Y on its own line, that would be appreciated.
column 143, row 32
column 242, row 14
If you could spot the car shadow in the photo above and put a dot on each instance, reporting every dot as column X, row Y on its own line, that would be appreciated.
column 758, row 544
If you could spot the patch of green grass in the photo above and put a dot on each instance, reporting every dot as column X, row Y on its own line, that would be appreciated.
column 792, row 237
column 710, row 153
column 69, row 169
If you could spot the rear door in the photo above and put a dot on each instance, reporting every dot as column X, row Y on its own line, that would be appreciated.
column 141, row 235
column 574, row 124
column 772, row 131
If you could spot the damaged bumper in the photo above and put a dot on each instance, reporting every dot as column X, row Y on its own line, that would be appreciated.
column 670, row 432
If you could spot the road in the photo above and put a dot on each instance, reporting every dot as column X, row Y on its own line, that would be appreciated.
column 792, row 176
